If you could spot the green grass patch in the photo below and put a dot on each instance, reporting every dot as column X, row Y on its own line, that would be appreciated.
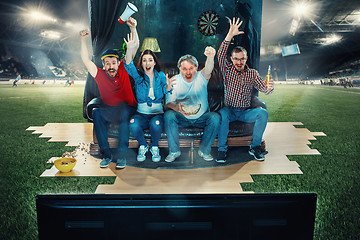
column 24, row 155
column 333, row 175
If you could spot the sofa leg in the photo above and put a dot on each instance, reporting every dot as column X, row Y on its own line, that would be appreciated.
column 94, row 146
column 94, row 136
column 263, row 146
column 192, row 152
column 94, row 150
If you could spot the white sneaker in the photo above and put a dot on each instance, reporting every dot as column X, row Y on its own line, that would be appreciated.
column 141, row 154
column 155, row 154
column 206, row 157
column 172, row 156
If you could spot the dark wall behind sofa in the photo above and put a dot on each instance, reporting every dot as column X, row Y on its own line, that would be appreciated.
column 174, row 24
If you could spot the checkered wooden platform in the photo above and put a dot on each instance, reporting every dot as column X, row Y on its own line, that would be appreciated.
column 282, row 139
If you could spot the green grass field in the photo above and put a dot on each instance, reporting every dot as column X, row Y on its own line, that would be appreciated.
column 334, row 175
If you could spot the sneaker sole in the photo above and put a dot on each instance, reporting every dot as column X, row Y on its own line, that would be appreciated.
column 169, row 161
column 202, row 156
column 220, row 161
column 258, row 159
column 120, row 167
column 105, row 166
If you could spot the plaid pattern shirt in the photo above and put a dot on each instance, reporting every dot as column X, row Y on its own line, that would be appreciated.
column 238, row 86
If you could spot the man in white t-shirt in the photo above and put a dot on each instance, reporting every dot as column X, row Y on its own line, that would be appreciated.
column 188, row 105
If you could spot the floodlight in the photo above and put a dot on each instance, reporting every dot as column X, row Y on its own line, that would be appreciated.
column 302, row 9
column 331, row 39
column 36, row 15
column 294, row 26
column 53, row 35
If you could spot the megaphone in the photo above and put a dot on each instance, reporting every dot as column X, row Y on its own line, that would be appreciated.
column 129, row 10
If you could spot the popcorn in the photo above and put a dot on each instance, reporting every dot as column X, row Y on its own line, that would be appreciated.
column 191, row 109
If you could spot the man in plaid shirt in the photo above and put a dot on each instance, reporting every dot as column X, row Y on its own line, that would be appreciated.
column 239, row 81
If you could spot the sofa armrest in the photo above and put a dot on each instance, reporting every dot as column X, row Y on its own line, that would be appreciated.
column 256, row 102
column 94, row 103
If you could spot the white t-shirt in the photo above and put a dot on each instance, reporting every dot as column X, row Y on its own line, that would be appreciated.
column 190, row 93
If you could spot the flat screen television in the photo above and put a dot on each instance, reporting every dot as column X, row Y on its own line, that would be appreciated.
column 290, row 50
column 176, row 216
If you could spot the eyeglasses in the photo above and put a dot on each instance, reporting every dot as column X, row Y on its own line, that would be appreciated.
column 238, row 59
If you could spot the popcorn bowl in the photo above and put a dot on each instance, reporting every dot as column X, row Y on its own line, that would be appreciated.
column 65, row 164
column 191, row 109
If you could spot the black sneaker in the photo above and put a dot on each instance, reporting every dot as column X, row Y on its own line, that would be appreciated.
column 256, row 152
column 221, row 157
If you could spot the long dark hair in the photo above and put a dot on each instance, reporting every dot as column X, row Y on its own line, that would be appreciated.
column 157, row 66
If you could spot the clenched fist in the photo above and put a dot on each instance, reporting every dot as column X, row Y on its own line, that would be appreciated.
column 210, row 51
column 84, row 33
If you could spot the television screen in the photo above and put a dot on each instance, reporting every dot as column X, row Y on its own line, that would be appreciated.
column 173, row 216
column 290, row 50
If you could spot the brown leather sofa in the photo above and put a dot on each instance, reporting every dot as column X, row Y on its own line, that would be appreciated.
column 239, row 132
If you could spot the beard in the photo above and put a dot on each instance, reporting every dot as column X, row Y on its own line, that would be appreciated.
column 111, row 72
column 239, row 67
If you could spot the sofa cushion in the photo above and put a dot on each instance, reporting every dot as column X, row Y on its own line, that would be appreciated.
column 216, row 102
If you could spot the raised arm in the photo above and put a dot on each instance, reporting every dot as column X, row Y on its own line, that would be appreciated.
column 210, row 53
column 91, row 67
column 132, row 23
column 132, row 44
column 234, row 29
column 224, row 64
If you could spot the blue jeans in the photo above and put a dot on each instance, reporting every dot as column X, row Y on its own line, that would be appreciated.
column 154, row 122
column 210, row 121
column 257, row 115
column 120, row 115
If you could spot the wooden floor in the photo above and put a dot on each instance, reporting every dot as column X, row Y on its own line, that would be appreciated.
column 282, row 139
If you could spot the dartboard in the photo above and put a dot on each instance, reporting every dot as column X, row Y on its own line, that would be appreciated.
column 207, row 23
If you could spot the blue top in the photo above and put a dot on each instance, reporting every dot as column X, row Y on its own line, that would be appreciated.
column 142, row 85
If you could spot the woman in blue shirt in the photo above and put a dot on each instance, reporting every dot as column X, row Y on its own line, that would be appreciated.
column 151, row 85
